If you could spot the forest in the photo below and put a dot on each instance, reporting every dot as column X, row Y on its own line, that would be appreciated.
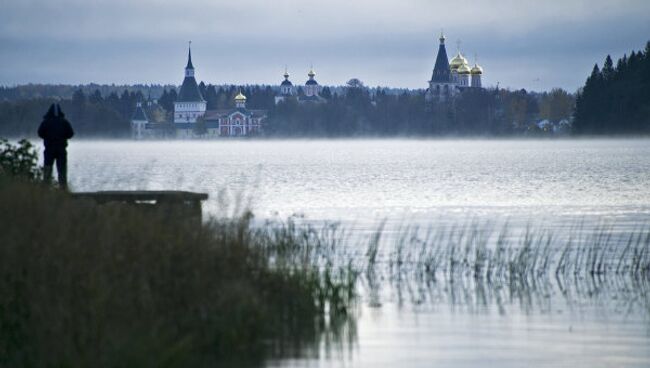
column 348, row 111
column 616, row 99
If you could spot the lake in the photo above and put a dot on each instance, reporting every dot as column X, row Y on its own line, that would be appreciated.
column 545, row 184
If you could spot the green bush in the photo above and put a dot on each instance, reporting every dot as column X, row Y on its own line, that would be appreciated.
column 19, row 160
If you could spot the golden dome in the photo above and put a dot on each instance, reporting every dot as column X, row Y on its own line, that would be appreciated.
column 464, row 69
column 477, row 69
column 240, row 97
column 457, row 61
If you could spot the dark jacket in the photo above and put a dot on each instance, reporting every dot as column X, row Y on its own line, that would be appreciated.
column 55, row 130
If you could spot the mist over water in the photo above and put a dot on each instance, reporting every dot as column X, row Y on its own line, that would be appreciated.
column 564, row 186
column 361, row 181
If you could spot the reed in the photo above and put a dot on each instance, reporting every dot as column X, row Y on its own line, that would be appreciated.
column 481, row 253
column 111, row 285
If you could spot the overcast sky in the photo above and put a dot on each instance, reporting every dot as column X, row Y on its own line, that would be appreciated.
column 535, row 45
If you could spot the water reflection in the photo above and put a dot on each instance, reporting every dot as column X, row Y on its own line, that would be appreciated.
column 598, row 278
column 473, row 267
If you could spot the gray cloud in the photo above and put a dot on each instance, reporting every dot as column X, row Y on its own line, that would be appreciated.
column 521, row 44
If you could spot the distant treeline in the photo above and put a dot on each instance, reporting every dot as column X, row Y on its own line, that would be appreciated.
column 65, row 91
column 616, row 100
column 90, row 116
column 359, row 112
column 353, row 110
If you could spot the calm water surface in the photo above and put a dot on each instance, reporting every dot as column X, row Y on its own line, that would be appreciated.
column 352, row 180
column 548, row 184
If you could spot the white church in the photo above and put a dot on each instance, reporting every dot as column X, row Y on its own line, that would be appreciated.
column 450, row 78
column 191, row 119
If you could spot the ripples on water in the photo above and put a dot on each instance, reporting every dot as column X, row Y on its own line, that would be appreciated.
column 565, row 186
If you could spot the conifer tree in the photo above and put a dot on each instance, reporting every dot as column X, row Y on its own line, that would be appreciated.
column 616, row 100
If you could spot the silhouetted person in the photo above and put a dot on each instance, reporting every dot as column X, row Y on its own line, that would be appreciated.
column 55, row 130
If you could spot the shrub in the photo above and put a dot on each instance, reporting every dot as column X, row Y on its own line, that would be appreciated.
column 19, row 160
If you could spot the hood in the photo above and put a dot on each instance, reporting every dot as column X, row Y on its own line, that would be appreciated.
column 51, row 112
column 59, row 112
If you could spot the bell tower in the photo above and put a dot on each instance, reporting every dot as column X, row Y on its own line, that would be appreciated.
column 189, row 68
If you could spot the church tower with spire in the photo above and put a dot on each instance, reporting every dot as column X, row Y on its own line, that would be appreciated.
column 441, row 84
column 190, row 104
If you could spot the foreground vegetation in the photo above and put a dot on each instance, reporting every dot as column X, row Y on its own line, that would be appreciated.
column 85, row 285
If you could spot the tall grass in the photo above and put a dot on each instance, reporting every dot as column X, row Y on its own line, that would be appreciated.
column 476, row 258
column 89, row 285
column 473, row 251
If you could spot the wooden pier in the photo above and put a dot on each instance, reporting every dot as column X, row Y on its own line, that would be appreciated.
column 175, row 203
